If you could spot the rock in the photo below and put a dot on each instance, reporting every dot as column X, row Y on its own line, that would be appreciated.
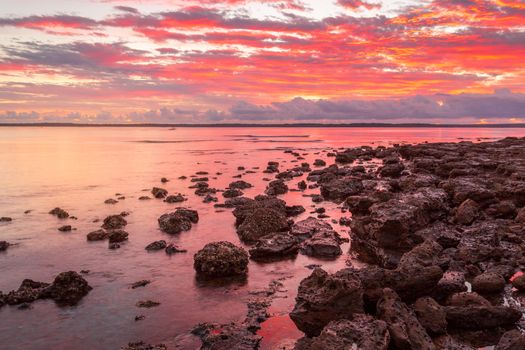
column 276, row 188
column 451, row 282
column 190, row 214
column 511, row 340
column 392, row 170
column 175, row 198
column 261, row 222
column 157, row 245
column 141, row 283
column 323, row 244
column 481, row 317
column 173, row 223
column 98, row 235
column 232, row 192
column 147, row 303
column 240, row 185
column 467, row 299
column 159, row 192
column 319, row 162
column 200, row 179
column 467, row 212
column 362, row 332
column 307, row 228
column 520, row 217
column 143, row 346
column 118, row 236
column 144, row 198
column 28, row 292
column 164, row 180
column 340, row 189
column 431, row 315
column 110, row 201
column 323, row 298
column 405, row 330
column 302, row 185
column 5, row 219
column 275, row 245
column 68, row 288
column 59, row 213
column 518, row 282
column 114, row 222
column 4, row 245
column 229, row 336
column 294, row 210
column 488, row 282
column 219, row 259
column 65, row 228
column 172, row 249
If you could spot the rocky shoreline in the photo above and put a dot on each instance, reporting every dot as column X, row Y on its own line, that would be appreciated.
column 439, row 228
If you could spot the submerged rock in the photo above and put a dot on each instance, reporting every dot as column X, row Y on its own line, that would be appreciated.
column 68, row 288
column 114, row 222
column 98, row 235
column 117, row 236
column 157, row 245
column 276, row 188
column 175, row 198
column 159, row 192
column 4, row 245
column 275, row 245
column 173, row 223
column 219, row 259
column 59, row 213
column 228, row 336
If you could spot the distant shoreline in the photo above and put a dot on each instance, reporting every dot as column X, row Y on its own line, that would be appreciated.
column 288, row 125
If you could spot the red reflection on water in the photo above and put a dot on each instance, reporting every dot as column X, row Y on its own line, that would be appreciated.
column 279, row 332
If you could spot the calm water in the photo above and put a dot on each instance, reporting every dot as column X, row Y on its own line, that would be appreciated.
column 78, row 168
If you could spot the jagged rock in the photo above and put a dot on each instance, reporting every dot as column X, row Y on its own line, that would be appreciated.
column 481, row 317
column 405, row 330
column 274, row 246
column 319, row 162
column 294, row 210
column 240, row 185
column 323, row 298
column 232, row 192
column 65, row 228
column 114, row 222
column 117, row 236
column 467, row 212
column 157, row 245
column 361, row 332
column 173, row 223
column 219, row 259
column 431, row 315
column 98, row 235
column 511, row 340
column 141, row 283
column 68, row 288
column 392, row 170
column 518, row 282
column 323, row 244
column 341, row 189
column 276, row 187
column 172, row 249
column 261, row 222
column 110, row 201
column 307, row 228
column 159, row 192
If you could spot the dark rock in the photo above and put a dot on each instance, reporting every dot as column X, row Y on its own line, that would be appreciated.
column 164, row 180
column 65, row 228
column 159, row 192
column 173, row 223
column 114, row 222
column 276, row 187
column 431, row 315
column 488, row 282
column 110, row 201
column 405, row 330
column 141, row 283
column 229, row 336
column 28, row 292
column 118, row 236
column 240, row 185
column 144, row 198
column 319, row 162
column 113, row 246
column 157, row 245
column 4, row 245
column 323, row 244
column 172, row 249
column 307, row 228
column 481, row 317
column 274, row 246
column 362, row 332
column 467, row 212
column 68, row 288
column 219, row 259
column 511, row 340
column 323, row 298
column 232, row 192
column 302, row 185
column 261, row 222
column 147, row 303
column 190, row 214
column 340, row 189
column 5, row 219
column 518, row 282
column 294, row 210
column 175, row 198
column 59, row 213
column 392, row 170
column 143, row 346
column 98, row 235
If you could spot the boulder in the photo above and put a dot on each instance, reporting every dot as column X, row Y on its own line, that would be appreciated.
column 323, row 298
column 173, row 223
column 219, row 259
column 323, row 244
column 177, row 198
column 307, row 228
column 275, row 245
column 240, row 185
column 488, row 282
column 59, row 213
column 467, row 212
column 276, row 188
column 114, row 222
column 340, row 189
column 228, row 336
column 431, row 315
column 262, row 222
column 480, row 317
column 117, row 236
column 159, row 192
column 157, row 245
column 98, row 235
column 68, row 288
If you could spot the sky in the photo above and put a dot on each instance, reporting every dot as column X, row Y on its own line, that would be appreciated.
column 184, row 61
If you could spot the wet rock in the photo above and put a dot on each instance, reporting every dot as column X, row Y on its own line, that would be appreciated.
column 276, row 187
column 240, row 185
column 164, row 180
column 144, row 198
column 110, row 201
column 481, row 317
column 173, row 223
column 520, row 217
column 324, row 244
column 431, row 315
column 143, row 346
column 229, row 336
column 28, row 292
column 114, row 222
column 406, row 332
column 141, row 283
column 209, row 198
column 199, row 179
column 307, row 228
column 98, row 235
column 302, row 185
column 219, row 259
column 4, row 245
column 159, row 192
column 173, row 249
column 175, row 198
column 65, row 228
column 319, row 162
column 511, row 340
column 323, row 298
column 488, row 282
column 340, row 189
column 294, row 210
column 157, row 245
column 261, row 222
column 5, row 219
column 232, row 192
column 117, row 236
column 59, row 213
column 359, row 205
column 467, row 212
column 362, row 332
column 392, row 170
column 147, row 304
column 273, row 246
column 68, row 288
column 190, row 214
column 518, row 282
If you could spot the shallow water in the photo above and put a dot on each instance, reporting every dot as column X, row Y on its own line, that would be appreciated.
column 78, row 168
